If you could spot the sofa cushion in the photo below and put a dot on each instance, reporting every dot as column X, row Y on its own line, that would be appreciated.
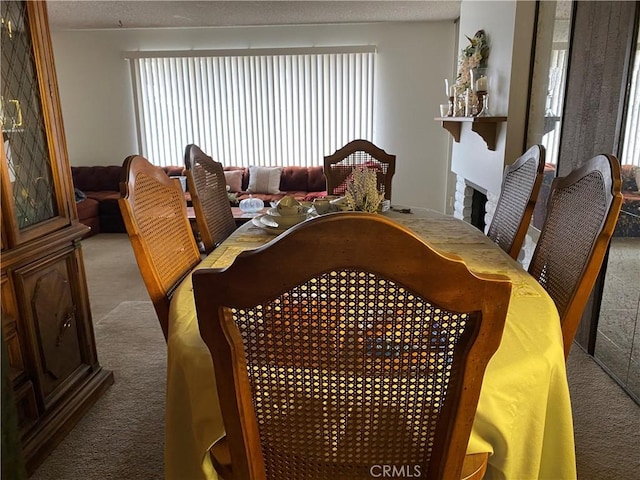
column 294, row 178
column 87, row 208
column 103, row 195
column 264, row 179
column 267, row 198
column 88, row 214
column 234, row 180
column 311, row 196
column 97, row 178
column 245, row 176
column 317, row 180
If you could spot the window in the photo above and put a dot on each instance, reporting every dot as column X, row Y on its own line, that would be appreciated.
column 555, row 98
column 253, row 107
column 631, row 145
column 549, row 76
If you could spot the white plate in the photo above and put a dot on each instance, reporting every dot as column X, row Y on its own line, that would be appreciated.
column 257, row 221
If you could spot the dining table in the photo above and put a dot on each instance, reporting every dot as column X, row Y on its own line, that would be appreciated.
column 523, row 418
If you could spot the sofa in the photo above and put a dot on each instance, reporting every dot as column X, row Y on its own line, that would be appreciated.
column 98, row 191
column 303, row 183
column 629, row 220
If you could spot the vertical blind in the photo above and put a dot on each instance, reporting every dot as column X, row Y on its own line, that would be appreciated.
column 631, row 146
column 555, row 96
column 253, row 109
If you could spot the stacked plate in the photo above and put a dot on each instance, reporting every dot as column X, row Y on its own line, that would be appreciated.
column 276, row 223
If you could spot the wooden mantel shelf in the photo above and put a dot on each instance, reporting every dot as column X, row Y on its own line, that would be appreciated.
column 484, row 126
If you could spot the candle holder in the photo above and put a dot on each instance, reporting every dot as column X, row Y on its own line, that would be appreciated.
column 459, row 101
column 452, row 107
column 480, row 86
column 450, row 91
column 469, row 103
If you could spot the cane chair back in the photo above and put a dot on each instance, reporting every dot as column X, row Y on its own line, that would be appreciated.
column 520, row 188
column 208, row 189
column 358, row 354
column 582, row 212
column 155, row 215
column 359, row 154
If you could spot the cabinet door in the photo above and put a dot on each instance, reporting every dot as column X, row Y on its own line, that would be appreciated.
column 34, row 188
column 56, row 319
column 13, row 335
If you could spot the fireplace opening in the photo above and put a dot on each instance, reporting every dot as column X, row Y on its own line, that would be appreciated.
column 478, row 209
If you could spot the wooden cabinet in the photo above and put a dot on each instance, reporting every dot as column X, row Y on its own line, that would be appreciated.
column 46, row 318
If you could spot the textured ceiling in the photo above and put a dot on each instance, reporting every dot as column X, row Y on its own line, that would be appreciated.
column 91, row 14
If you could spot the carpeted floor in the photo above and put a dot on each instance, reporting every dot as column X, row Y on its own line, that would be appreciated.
column 122, row 435
column 606, row 422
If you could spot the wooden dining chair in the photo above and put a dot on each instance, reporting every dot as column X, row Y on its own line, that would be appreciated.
column 358, row 154
column 518, row 195
column 208, row 189
column 334, row 354
column 155, row 215
column 582, row 212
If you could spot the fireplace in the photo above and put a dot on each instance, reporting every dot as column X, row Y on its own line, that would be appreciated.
column 476, row 205
column 473, row 204
column 478, row 209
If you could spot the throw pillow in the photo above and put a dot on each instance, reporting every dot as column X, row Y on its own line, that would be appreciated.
column 637, row 169
column 234, row 180
column 264, row 180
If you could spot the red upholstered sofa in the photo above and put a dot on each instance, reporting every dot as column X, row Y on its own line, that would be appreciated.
column 304, row 183
column 101, row 187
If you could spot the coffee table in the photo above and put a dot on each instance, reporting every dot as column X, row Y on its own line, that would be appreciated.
column 242, row 217
column 238, row 215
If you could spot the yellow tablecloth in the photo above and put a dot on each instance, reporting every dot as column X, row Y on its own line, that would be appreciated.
column 524, row 413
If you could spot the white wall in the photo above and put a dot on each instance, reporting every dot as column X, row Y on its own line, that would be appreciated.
column 413, row 59
column 509, row 27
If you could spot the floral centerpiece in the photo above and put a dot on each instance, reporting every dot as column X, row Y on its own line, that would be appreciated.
column 473, row 55
column 362, row 191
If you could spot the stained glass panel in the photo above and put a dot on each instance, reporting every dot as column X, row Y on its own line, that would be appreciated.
column 23, row 131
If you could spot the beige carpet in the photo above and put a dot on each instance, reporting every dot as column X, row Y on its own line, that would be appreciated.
column 606, row 422
column 122, row 435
